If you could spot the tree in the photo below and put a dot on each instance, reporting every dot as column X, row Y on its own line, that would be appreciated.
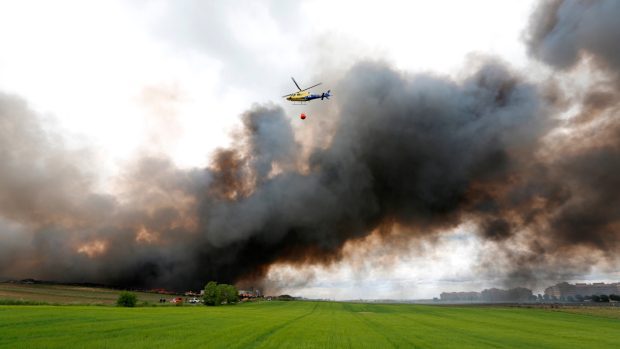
column 229, row 293
column 614, row 297
column 595, row 298
column 216, row 293
column 604, row 298
column 579, row 298
column 232, row 294
column 222, row 289
column 126, row 299
column 212, row 294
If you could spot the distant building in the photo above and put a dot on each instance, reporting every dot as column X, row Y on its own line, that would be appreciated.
column 249, row 294
column 459, row 296
column 161, row 291
column 519, row 294
column 565, row 290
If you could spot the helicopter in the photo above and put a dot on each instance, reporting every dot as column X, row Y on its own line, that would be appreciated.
column 303, row 96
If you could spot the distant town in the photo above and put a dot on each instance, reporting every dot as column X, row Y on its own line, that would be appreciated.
column 598, row 292
column 564, row 292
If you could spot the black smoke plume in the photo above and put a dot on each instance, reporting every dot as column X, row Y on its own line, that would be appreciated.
column 408, row 150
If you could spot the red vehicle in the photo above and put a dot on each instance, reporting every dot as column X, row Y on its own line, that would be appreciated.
column 176, row 300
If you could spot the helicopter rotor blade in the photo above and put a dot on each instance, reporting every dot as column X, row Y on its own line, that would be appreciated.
column 299, row 88
column 307, row 88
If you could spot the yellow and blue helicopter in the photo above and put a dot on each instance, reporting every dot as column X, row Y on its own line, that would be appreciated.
column 303, row 96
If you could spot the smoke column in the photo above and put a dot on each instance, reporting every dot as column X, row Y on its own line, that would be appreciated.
column 421, row 152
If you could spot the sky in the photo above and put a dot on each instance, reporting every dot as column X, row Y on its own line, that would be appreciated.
column 92, row 67
column 172, row 78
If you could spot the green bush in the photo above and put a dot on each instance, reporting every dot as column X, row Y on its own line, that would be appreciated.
column 127, row 299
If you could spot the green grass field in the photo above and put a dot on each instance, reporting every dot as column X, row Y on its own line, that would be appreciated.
column 305, row 325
